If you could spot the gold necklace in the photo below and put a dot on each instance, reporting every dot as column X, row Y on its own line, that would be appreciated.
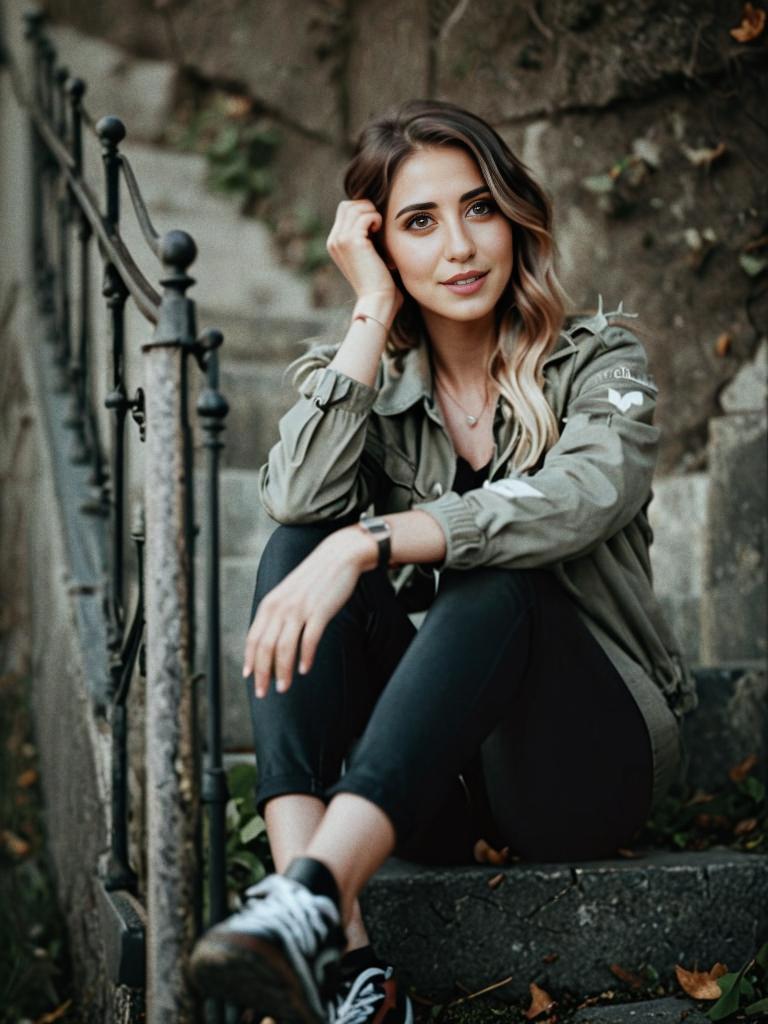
column 471, row 420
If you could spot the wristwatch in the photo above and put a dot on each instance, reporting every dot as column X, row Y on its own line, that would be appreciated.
column 380, row 531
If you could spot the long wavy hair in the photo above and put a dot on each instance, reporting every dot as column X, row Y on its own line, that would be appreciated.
column 530, row 312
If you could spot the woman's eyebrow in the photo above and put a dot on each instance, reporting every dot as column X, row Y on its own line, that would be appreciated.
column 432, row 206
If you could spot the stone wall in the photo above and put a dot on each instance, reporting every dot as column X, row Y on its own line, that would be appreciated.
column 659, row 95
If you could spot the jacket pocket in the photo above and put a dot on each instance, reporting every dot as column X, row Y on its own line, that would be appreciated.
column 400, row 473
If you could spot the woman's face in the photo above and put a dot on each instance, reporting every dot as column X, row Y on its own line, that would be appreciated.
column 442, row 221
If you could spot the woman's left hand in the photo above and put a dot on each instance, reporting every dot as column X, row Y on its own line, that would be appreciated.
column 300, row 607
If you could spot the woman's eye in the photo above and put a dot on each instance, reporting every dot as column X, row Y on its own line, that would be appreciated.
column 484, row 202
column 419, row 216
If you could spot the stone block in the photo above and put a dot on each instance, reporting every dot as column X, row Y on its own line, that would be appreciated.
column 258, row 395
column 237, row 269
column 677, row 517
column 139, row 92
column 442, row 926
column 747, row 389
column 396, row 66
column 498, row 59
column 729, row 724
column 733, row 613
column 671, row 1010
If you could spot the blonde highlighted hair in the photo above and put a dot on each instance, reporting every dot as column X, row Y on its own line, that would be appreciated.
column 531, row 310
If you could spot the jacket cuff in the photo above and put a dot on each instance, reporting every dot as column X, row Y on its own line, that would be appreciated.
column 332, row 387
column 463, row 537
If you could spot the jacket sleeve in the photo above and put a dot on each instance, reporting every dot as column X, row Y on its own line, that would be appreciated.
column 318, row 469
column 592, row 482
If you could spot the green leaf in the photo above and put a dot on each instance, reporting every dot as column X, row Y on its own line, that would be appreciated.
column 241, row 781
column 680, row 838
column 752, row 786
column 252, row 829
column 261, row 181
column 225, row 143
column 251, row 863
column 752, row 265
column 761, row 959
column 761, row 1006
column 599, row 183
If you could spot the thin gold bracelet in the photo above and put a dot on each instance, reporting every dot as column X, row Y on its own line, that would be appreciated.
column 367, row 316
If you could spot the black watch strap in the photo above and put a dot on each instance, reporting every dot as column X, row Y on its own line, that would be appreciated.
column 379, row 530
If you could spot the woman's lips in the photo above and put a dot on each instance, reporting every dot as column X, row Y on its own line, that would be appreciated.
column 467, row 289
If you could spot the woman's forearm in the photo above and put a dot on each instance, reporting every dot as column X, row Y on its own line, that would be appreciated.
column 360, row 352
column 415, row 537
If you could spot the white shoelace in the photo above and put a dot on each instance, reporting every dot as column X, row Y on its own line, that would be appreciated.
column 301, row 918
column 290, row 906
column 359, row 1004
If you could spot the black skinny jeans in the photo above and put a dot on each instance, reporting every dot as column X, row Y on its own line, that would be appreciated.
column 501, row 717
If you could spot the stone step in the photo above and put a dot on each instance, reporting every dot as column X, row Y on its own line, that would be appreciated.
column 670, row 1010
column 443, row 926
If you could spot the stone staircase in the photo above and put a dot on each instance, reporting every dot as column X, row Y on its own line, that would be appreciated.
column 561, row 925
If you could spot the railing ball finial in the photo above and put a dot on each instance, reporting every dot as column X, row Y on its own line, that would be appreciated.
column 110, row 130
column 34, row 17
column 62, row 74
column 177, row 249
column 75, row 88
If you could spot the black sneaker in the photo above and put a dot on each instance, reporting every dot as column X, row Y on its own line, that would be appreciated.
column 278, row 954
column 372, row 997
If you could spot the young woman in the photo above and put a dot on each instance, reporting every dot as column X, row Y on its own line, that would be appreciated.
column 507, row 455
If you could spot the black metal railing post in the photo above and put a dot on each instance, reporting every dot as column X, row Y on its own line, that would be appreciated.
column 212, row 409
column 82, row 449
column 111, row 131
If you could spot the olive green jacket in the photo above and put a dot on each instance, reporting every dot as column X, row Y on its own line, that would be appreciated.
column 582, row 512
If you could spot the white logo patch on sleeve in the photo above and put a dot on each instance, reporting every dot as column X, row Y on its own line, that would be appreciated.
column 623, row 402
column 513, row 488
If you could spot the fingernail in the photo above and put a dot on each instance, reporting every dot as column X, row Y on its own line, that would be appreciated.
column 302, row 667
column 281, row 685
column 245, row 670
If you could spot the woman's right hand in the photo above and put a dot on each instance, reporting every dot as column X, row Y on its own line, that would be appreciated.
column 352, row 250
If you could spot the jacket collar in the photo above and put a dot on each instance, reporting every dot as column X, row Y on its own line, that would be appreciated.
column 398, row 393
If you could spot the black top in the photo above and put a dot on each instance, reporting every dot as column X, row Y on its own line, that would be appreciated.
column 467, row 478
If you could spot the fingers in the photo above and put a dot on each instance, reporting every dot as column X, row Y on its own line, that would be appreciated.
column 272, row 643
column 354, row 219
column 313, row 630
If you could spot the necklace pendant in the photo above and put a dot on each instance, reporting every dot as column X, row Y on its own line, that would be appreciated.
column 471, row 420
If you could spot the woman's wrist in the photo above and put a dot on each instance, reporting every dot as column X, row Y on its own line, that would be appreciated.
column 378, row 307
column 359, row 546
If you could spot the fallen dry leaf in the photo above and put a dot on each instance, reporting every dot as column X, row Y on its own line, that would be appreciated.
column 700, row 797
column 495, row 882
column 741, row 828
column 238, row 106
column 705, row 156
column 740, row 771
column 723, row 343
column 632, row 979
column 541, row 1001
column 752, row 24
column 485, row 854
column 57, row 1014
column 701, row 984
column 550, row 958
column 623, row 852
column 27, row 778
column 14, row 844
column 591, row 1000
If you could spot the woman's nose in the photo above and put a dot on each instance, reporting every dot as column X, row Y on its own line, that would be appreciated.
column 459, row 245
